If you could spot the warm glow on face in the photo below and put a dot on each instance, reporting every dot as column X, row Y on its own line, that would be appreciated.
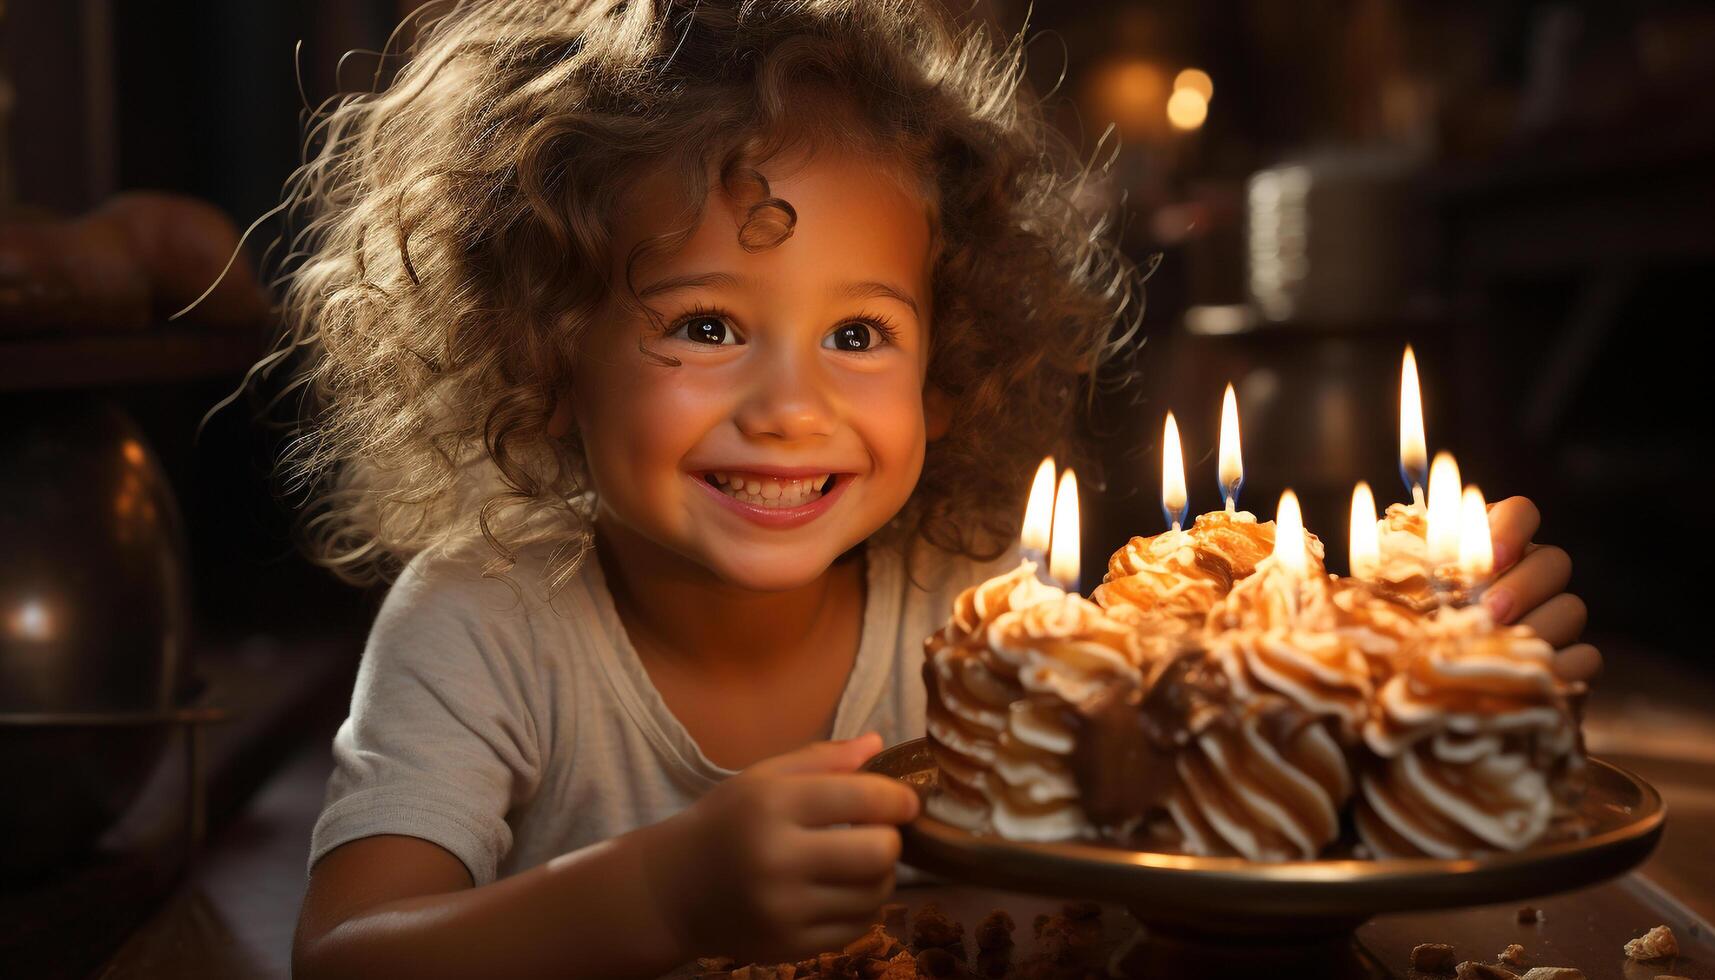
column 1476, row 547
column 1064, row 558
column 1232, row 470
column 1443, row 531
column 1290, row 548
column 1186, row 109
column 1173, row 496
column 1366, row 547
column 1039, row 512
column 1197, row 80
column 1413, row 450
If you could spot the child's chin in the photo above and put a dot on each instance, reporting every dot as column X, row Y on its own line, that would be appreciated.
column 765, row 574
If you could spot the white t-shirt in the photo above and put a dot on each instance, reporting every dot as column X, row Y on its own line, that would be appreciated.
column 510, row 730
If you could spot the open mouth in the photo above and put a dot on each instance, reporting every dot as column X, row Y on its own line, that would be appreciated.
column 762, row 490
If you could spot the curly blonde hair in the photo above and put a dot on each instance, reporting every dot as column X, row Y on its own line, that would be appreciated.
column 450, row 248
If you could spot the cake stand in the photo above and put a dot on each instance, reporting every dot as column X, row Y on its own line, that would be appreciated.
column 1229, row 915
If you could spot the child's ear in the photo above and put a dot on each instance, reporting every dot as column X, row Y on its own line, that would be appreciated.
column 560, row 420
column 937, row 411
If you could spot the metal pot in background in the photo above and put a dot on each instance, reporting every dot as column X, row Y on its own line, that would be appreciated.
column 94, row 616
column 1337, row 239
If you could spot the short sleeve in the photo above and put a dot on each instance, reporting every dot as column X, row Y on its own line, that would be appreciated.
column 442, row 740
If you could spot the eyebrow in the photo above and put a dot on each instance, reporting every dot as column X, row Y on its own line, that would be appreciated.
column 671, row 283
column 860, row 290
column 853, row 290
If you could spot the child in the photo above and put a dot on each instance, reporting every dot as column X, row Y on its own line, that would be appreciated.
column 689, row 358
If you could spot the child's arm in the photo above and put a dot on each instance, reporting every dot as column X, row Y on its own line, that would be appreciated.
column 1531, row 588
column 760, row 868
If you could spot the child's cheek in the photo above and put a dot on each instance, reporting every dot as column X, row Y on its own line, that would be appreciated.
column 886, row 410
column 638, row 420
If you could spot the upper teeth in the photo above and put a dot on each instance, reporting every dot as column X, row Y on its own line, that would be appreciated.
column 771, row 491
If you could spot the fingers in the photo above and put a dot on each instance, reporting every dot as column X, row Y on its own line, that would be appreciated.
column 1542, row 574
column 1560, row 620
column 1579, row 662
column 843, row 756
column 836, row 903
column 863, row 798
column 1512, row 523
column 848, row 856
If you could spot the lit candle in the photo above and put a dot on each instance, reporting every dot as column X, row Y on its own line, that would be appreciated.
column 1038, row 516
column 1064, row 557
column 1366, row 546
column 1291, row 549
column 1174, row 501
column 1232, row 472
column 1443, row 530
column 1476, row 547
column 1413, row 451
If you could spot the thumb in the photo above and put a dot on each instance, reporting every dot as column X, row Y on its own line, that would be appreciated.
column 841, row 756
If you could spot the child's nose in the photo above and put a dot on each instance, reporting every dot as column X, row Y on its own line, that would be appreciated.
column 788, row 398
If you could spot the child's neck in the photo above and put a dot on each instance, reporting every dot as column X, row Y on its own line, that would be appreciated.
column 730, row 627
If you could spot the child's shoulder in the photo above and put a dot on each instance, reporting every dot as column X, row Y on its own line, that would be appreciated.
column 438, row 595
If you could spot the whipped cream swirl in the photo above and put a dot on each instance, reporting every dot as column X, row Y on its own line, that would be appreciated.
column 1184, row 573
column 1474, row 743
column 1279, row 633
column 1262, row 780
column 1000, row 680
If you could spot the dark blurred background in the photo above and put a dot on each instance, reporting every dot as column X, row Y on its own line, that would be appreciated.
column 1523, row 190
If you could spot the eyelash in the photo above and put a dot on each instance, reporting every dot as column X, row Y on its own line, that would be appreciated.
column 879, row 322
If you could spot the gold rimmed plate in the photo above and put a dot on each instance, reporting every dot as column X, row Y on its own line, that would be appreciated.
column 1222, row 895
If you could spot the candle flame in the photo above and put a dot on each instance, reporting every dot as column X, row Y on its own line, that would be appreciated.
column 1366, row 546
column 1476, row 546
column 1290, row 548
column 1232, row 470
column 1173, row 496
column 1039, row 512
column 1064, row 559
column 1443, row 531
column 1413, row 449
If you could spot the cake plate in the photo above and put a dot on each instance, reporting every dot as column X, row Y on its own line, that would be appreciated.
column 1234, row 911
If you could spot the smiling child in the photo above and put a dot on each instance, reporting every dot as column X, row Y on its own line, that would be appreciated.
column 679, row 363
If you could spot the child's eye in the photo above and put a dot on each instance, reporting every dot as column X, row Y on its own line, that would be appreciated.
column 706, row 328
column 856, row 336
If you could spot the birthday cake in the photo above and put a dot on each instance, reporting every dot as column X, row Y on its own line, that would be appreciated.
column 1219, row 696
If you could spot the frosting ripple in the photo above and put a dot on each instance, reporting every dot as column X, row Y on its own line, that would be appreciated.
column 1474, row 743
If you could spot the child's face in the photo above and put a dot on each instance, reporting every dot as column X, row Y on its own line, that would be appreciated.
column 799, row 361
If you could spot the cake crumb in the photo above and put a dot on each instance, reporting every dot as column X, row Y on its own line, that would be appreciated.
column 901, row 967
column 1472, row 970
column 1529, row 914
column 874, row 944
column 1552, row 973
column 715, row 964
column 1512, row 956
column 995, row 931
column 1433, row 958
column 932, row 927
column 1656, row 944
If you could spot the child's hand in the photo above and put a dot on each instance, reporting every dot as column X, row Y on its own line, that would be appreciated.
column 762, row 870
column 1531, row 588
